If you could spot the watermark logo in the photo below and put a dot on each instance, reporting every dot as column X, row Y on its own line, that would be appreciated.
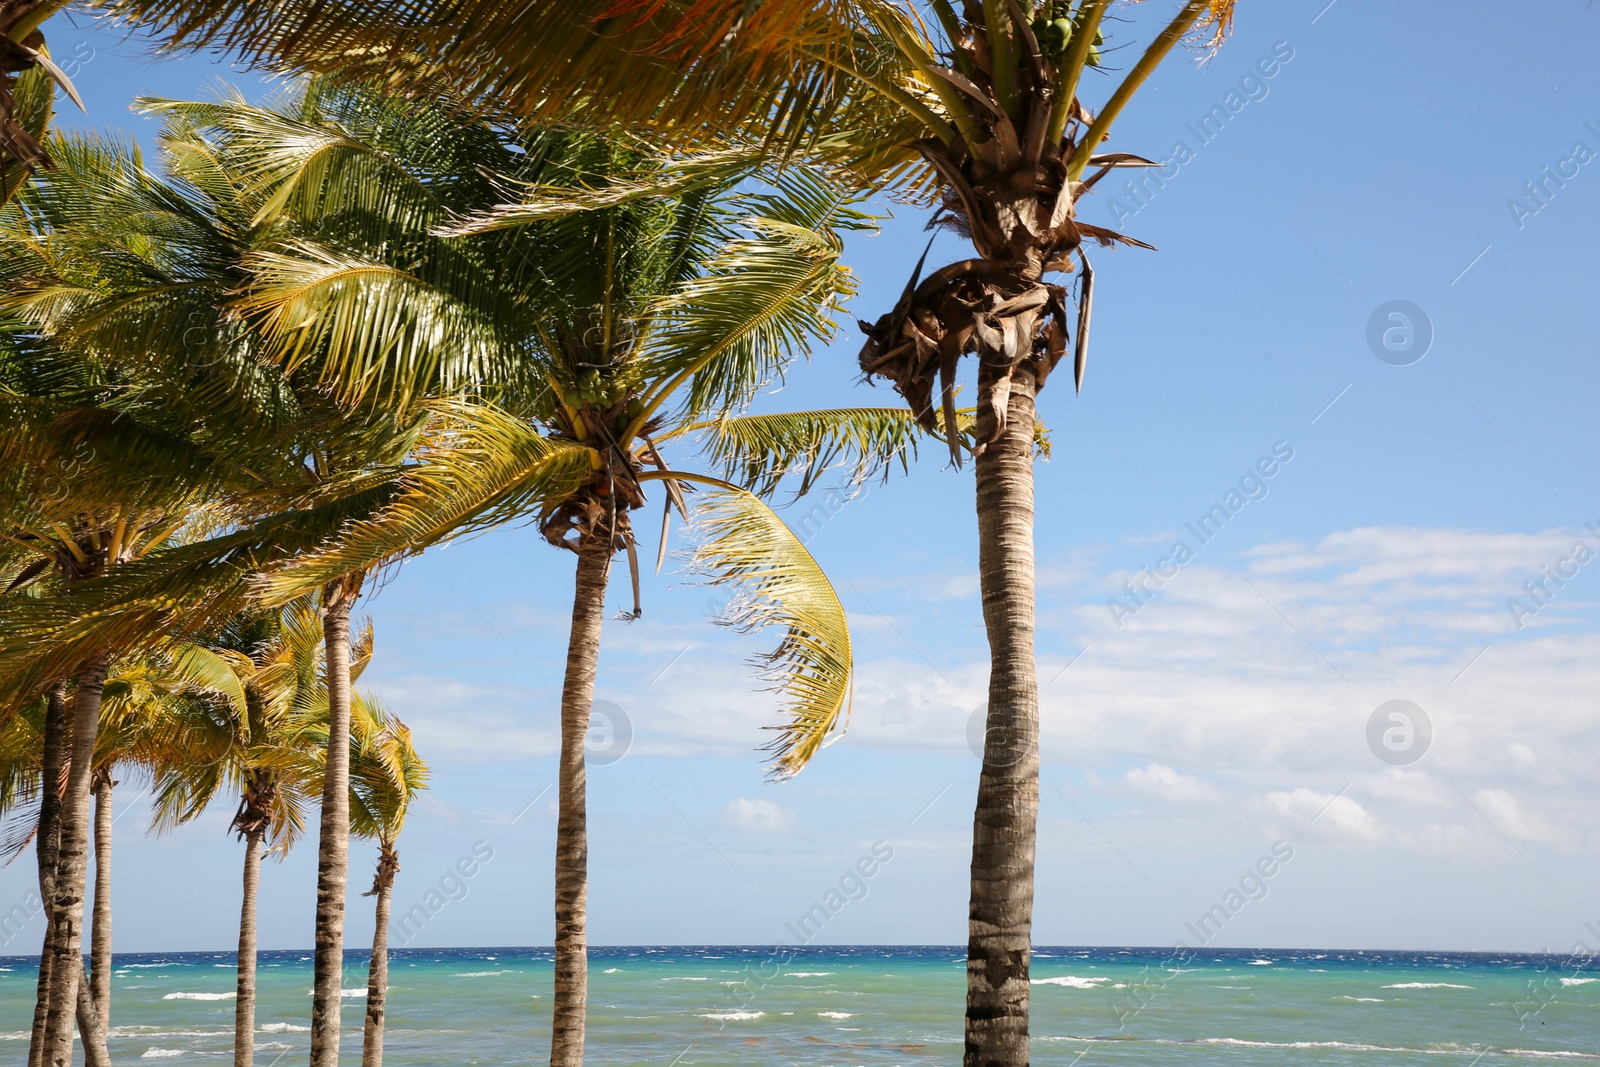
column 1399, row 732
column 452, row 887
column 1252, row 485
column 1399, row 333
column 610, row 734
column 1005, row 748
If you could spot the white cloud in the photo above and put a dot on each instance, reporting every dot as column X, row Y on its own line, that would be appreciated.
column 758, row 816
column 1165, row 784
column 1306, row 812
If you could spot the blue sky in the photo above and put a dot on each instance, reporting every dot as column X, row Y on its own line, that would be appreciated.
column 1379, row 162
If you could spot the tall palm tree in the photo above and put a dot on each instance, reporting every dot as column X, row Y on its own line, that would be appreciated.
column 386, row 774
column 584, row 341
column 983, row 115
column 114, row 260
column 270, row 750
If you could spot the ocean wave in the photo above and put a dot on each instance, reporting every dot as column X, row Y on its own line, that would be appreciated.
column 1578, row 981
column 136, row 966
column 484, row 974
column 1550, row 1055
column 1427, row 985
column 200, row 996
column 611, row 970
column 353, row 992
column 1363, row 1000
column 284, row 1028
column 272, row 1046
column 807, row 974
column 733, row 1016
column 1261, row 963
column 1071, row 980
column 161, row 1053
column 835, row 1015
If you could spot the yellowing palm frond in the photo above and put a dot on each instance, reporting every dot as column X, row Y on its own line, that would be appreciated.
column 747, row 546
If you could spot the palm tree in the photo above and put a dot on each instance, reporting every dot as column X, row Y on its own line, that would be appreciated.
column 982, row 116
column 589, row 339
column 386, row 774
column 113, row 260
column 271, row 749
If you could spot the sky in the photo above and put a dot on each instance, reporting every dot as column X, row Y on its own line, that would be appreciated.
column 1375, row 281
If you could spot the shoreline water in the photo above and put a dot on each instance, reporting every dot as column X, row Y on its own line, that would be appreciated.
column 863, row 1006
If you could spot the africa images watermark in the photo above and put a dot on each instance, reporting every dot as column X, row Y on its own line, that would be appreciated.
column 451, row 888
column 1251, row 886
column 17, row 918
column 1537, row 194
column 1252, row 86
column 1556, row 573
column 1252, row 486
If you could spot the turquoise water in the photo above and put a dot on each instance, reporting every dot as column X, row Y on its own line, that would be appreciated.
column 853, row 1007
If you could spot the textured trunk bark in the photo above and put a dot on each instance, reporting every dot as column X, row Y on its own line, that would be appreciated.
column 378, row 976
column 47, row 844
column 1000, row 918
column 66, row 939
column 90, row 1032
column 334, row 847
column 244, row 1006
column 572, row 836
column 100, row 929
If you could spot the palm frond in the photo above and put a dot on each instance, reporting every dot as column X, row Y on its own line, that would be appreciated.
column 478, row 467
column 745, row 545
column 759, row 451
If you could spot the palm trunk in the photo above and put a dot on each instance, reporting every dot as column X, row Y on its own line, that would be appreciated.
column 572, row 835
column 66, row 939
column 1000, row 917
column 378, row 968
column 47, row 844
column 333, row 853
column 100, row 931
column 90, row 1031
column 244, row 1006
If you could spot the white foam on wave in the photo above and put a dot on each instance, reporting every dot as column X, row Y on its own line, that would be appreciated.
column 611, row 970
column 1550, row 1055
column 835, row 1015
column 1071, row 980
column 136, row 966
column 808, row 974
column 733, row 1016
column 1363, row 1000
column 1578, row 981
column 484, row 974
column 284, row 1028
column 682, row 978
column 161, row 1053
column 200, row 996
column 1261, row 963
column 1427, row 985
column 353, row 992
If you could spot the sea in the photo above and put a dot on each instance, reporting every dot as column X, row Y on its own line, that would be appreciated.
column 871, row 1005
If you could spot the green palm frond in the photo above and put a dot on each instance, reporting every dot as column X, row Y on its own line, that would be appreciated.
column 744, row 544
column 385, row 771
column 478, row 467
column 759, row 301
column 676, row 178
column 759, row 451
column 376, row 328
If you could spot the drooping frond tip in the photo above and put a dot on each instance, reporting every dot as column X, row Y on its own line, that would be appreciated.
column 744, row 544
column 1217, row 23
